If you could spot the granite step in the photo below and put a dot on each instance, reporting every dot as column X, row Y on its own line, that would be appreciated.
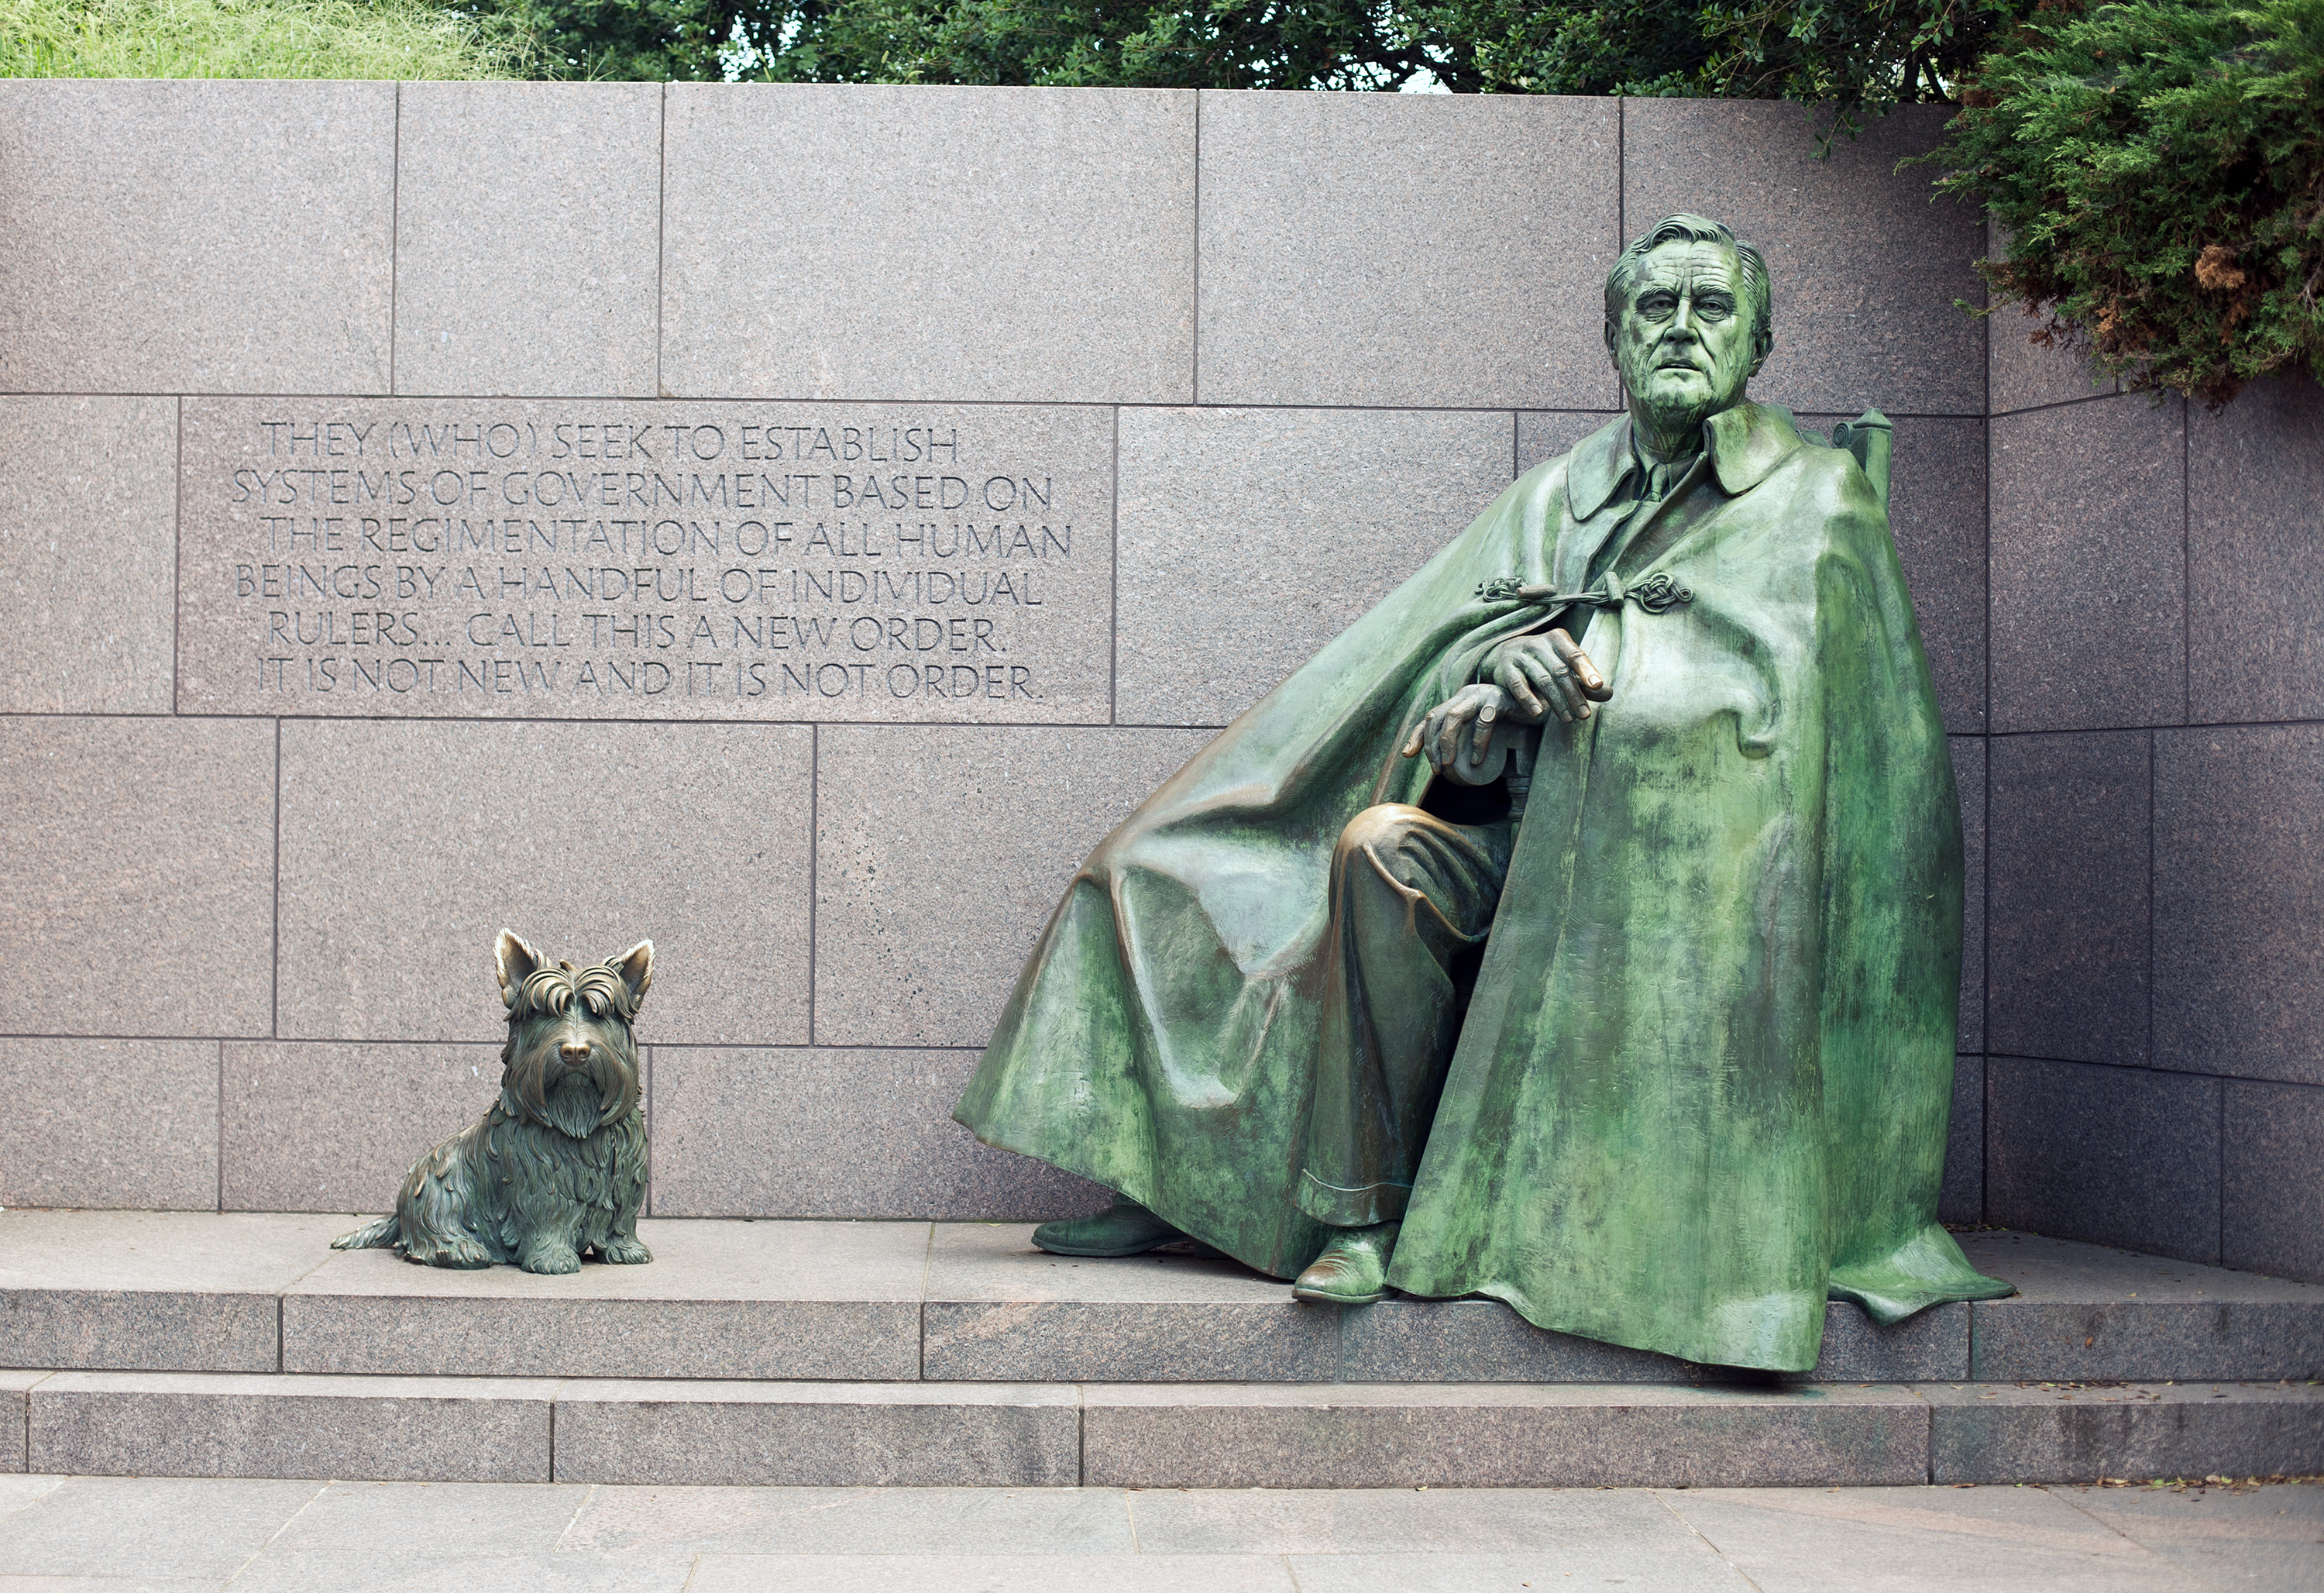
column 973, row 1302
column 1149, row 1435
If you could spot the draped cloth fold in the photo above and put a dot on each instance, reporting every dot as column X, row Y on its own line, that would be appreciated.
column 1703, row 1076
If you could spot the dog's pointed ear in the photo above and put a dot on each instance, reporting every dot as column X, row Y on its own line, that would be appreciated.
column 513, row 961
column 635, row 966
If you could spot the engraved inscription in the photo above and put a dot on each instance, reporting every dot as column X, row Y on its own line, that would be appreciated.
column 668, row 559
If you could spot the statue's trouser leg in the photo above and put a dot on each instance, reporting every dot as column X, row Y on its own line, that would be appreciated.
column 1409, row 894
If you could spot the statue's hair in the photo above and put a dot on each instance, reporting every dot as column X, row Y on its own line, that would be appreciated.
column 1700, row 229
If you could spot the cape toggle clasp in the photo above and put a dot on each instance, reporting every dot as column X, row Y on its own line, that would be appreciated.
column 1656, row 593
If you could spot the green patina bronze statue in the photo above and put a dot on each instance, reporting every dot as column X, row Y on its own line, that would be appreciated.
column 556, row 1168
column 1580, row 928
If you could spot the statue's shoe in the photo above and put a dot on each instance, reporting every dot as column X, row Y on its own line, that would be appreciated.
column 1124, row 1229
column 1352, row 1269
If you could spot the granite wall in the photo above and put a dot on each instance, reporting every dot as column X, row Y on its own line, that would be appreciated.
column 796, row 524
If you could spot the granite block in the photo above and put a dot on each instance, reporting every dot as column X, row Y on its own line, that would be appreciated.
column 1139, row 1573
column 150, row 1291
column 336, row 1127
column 1866, row 261
column 1404, row 1339
column 2084, row 1314
column 141, row 866
column 132, row 265
column 583, row 840
column 1970, row 779
column 1028, row 244
column 1933, row 1343
column 1984, row 1432
column 224, row 1425
column 1544, row 435
column 2254, row 564
column 2067, row 930
column 2088, row 524
column 1485, row 1435
column 145, row 1528
column 109, row 1123
column 2114, row 1156
column 1326, row 277
column 14, row 1445
column 89, row 544
column 2238, row 893
column 1249, row 538
column 998, row 1311
column 2271, row 1200
column 2022, row 373
column 1936, row 514
column 1962, row 1197
column 720, row 1149
column 488, row 299
column 540, row 559
column 941, row 854
column 819, row 1435
column 719, row 1300
column 816, row 1521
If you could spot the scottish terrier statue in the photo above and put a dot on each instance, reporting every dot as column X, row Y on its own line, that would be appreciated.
column 558, row 1164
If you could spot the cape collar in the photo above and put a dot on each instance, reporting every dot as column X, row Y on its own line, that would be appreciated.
column 1745, row 443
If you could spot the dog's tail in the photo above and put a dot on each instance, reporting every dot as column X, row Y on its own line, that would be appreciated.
column 372, row 1235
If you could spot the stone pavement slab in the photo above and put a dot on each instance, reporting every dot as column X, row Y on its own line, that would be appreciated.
column 2235, row 1536
column 837, row 1521
column 145, row 1527
column 2088, row 1311
column 991, row 1573
column 1964, row 1539
column 87, row 1534
column 1311, row 1522
column 158, row 1291
column 815, row 1300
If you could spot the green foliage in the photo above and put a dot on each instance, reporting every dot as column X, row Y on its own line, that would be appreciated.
column 1094, row 43
column 2160, row 167
column 1853, row 55
column 254, row 39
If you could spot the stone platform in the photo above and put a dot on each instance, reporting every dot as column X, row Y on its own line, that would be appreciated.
column 953, row 1353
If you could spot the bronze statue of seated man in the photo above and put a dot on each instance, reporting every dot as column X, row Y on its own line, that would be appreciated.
column 1580, row 928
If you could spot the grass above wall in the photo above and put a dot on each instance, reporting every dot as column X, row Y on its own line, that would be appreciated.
column 254, row 39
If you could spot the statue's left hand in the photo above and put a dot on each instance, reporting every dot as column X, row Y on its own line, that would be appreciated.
column 1440, row 732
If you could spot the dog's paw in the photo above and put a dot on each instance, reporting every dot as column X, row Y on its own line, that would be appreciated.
column 552, row 1258
column 623, row 1250
column 461, row 1255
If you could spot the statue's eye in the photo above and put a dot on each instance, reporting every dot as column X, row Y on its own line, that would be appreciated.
column 1714, row 308
column 1655, row 306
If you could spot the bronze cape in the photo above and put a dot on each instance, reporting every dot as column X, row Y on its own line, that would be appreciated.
column 1704, row 1076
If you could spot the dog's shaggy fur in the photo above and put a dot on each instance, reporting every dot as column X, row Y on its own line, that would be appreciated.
column 558, row 1164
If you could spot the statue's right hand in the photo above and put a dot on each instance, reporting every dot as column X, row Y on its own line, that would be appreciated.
column 1439, row 732
column 1548, row 672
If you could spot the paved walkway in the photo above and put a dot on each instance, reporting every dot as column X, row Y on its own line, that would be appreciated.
column 124, row 1534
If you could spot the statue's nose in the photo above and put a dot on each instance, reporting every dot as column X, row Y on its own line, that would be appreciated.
column 574, row 1051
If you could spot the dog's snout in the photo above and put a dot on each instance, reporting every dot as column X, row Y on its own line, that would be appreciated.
column 574, row 1051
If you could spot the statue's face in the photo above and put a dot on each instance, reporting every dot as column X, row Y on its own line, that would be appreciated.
column 1683, row 340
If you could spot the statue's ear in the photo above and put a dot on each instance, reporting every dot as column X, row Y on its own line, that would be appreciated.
column 513, row 961
column 635, row 966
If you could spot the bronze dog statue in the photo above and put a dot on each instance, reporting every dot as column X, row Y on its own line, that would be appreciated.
column 558, row 1164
